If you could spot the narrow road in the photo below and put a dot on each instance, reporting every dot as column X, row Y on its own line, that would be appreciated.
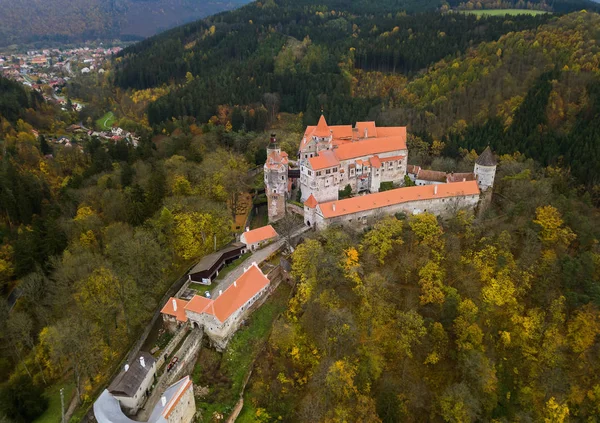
column 258, row 257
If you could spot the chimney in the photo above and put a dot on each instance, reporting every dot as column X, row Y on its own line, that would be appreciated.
column 126, row 367
column 333, row 206
column 366, row 132
column 174, row 304
column 142, row 362
column 435, row 189
column 354, row 134
column 220, row 291
column 247, row 229
column 464, row 179
column 235, row 284
column 163, row 400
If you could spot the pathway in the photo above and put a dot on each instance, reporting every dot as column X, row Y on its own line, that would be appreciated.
column 258, row 257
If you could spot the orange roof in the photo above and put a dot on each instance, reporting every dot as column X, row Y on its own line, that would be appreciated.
column 413, row 169
column 258, row 235
column 236, row 295
column 457, row 177
column 370, row 146
column 369, row 127
column 311, row 202
column 392, row 158
column 325, row 159
column 276, row 161
column 375, row 162
column 397, row 196
column 198, row 304
column 322, row 130
column 179, row 313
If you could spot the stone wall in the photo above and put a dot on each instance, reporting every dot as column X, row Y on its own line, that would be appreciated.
column 181, row 333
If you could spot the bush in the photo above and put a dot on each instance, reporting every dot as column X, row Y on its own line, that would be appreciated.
column 21, row 400
column 346, row 192
column 386, row 186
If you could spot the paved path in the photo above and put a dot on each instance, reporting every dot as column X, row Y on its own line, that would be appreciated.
column 258, row 257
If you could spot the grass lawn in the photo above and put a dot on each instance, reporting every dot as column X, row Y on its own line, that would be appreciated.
column 106, row 121
column 502, row 12
column 224, row 374
column 231, row 266
column 52, row 414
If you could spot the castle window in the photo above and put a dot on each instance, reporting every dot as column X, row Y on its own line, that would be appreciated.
column 328, row 171
column 319, row 173
column 309, row 173
column 391, row 165
column 335, row 169
column 283, row 178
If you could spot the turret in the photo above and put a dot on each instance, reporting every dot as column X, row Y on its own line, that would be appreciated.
column 276, row 180
column 485, row 169
column 273, row 146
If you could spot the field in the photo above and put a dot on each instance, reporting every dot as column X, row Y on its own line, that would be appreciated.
column 502, row 12
column 106, row 122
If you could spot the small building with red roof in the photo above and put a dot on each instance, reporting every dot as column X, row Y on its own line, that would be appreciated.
column 220, row 318
column 256, row 238
column 173, row 313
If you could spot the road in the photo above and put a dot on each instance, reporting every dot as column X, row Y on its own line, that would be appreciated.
column 258, row 257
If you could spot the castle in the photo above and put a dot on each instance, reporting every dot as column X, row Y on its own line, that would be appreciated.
column 364, row 162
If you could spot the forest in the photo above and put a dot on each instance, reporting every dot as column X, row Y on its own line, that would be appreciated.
column 491, row 317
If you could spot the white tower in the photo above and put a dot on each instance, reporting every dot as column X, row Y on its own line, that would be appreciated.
column 485, row 169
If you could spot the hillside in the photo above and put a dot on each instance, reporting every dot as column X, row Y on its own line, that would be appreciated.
column 79, row 20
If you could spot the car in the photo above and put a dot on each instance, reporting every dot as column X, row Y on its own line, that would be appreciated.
column 172, row 363
column 207, row 294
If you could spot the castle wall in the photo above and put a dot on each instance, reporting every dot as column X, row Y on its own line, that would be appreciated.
column 437, row 206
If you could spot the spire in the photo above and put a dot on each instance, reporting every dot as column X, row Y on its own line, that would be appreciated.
column 487, row 158
column 322, row 130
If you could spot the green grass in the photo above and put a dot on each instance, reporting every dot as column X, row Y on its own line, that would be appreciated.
column 503, row 12
column 52, row 414
column 248, row 413
column 232, row 266
column 199, row 288
column 106, row 121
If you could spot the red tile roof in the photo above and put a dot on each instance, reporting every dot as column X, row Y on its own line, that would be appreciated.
column 431, row 175
column 247, row 286
column 375, row 161
column 276, row 161
column 179, row 313
column 458, row 177
column 370, row 146
column 392, row 158
column 198, row 304
column 324, row 160
column 258, row 235
column 311, row 202
column 397, row 196
column 369, row 126
column 322, row 130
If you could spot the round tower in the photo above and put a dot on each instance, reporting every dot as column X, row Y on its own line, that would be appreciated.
column 485, row 169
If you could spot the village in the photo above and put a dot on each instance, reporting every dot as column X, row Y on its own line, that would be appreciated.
column 48, row 70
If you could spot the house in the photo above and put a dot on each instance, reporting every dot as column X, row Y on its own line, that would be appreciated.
column 220, row 318
column 176, row 405
column 209, row 267
column 131, row 386
column 256, row 238
column 173, row 313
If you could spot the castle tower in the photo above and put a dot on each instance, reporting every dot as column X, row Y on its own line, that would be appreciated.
column 276, row 180
column 485, row 169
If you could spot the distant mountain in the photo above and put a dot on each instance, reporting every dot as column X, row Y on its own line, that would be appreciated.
column 23, row 21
